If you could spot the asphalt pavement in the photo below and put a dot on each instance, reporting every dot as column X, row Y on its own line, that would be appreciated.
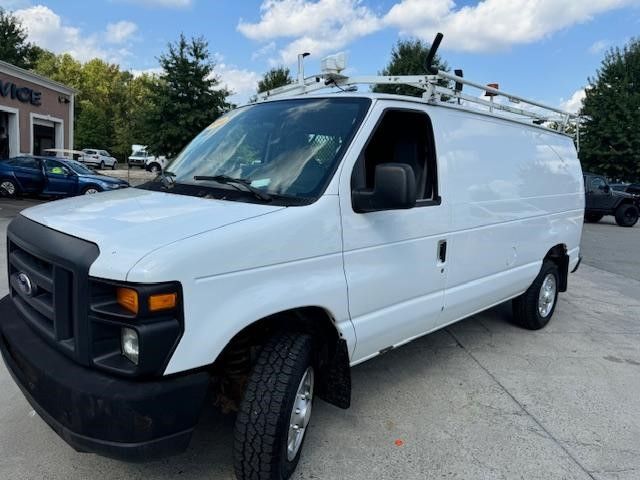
column 482, row 399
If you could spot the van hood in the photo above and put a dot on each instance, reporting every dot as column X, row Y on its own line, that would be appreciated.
column 127, row 224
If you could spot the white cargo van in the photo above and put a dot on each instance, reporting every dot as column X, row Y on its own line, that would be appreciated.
column 292, row 239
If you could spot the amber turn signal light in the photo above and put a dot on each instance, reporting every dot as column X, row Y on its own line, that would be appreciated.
column 163, row 301
column 127, row 298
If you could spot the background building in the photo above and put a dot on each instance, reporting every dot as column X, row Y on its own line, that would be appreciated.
column 36, row 113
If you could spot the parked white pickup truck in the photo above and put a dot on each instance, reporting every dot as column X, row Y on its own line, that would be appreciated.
column 291, row 240
column 143, row 159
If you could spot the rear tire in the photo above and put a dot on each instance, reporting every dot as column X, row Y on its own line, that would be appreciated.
column 9, row 188
column 102, row 165
column 274, row 415
column 534, row 308
column 627, row 215
column 592, row 217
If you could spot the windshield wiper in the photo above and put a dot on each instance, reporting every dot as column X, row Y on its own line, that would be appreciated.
column 225, row 179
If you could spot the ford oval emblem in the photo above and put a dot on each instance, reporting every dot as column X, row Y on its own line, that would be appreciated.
column 24, row 284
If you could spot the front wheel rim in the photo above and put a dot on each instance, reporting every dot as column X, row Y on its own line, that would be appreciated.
column 9, row 187
column 90, row 191
column 547, row 295
column 300, row 414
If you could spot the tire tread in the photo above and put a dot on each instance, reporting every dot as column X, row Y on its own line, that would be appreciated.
column 263, row 415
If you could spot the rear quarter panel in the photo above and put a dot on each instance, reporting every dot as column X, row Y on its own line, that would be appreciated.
column 515, row 191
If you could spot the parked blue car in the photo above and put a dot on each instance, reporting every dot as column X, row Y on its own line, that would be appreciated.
column 52, row 176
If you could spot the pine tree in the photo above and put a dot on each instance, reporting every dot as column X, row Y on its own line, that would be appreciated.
column 274, row 78
column 187, row 98
column 610, row 139
column 14, row 47
column 407, row 58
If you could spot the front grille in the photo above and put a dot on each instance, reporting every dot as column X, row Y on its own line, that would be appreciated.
column 42, row 291
column 48, row 279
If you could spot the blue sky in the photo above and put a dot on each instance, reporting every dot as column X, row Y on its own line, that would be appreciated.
column 543, row 49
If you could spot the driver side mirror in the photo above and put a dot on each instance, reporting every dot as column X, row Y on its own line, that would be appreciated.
column 394, row 189
column 604, row 188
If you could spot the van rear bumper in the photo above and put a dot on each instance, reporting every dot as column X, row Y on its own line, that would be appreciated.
column 96, row 412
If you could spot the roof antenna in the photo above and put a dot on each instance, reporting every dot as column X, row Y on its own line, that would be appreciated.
column 301, row 58
column 428, row 63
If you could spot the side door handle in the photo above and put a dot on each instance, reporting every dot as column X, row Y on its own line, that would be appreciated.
column 442, row 251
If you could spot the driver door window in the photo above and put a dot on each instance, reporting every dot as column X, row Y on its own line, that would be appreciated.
column 55, row 168
column 597, row 185
column 402, row 136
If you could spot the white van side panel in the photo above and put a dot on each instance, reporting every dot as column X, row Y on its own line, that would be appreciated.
column 514, row 193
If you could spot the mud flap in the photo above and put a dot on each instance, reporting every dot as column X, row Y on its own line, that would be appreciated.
column 335, row 380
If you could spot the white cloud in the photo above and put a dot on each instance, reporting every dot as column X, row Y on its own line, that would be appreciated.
column 47, row 29
column 322, row 26
column 136, row 72
column 598, row 47
column 242, row 82
column 315, row 26
column 574, row 103
column 121, row 31
column 494, row 24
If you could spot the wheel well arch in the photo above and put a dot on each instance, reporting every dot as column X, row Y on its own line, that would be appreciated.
column 558, row 255
column 331, row 351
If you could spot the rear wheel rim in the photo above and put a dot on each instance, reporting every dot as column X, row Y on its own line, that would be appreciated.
column 9, row 187
column 155, row 169
column 630, row 215
column 300, row 414
column 90, row 191
column 547, row 295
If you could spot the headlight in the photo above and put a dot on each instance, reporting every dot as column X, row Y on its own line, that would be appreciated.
column 130, row 348
column 112, row 186
column 134, row 326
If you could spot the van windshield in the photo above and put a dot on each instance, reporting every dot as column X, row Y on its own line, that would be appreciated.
column 287, row 149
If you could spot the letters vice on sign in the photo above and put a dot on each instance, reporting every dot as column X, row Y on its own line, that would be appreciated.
column 22, row 94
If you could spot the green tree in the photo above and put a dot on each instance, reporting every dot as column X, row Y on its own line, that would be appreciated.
column 274, row 78
column 92, row 128
column 186, row 99
column 407, row 58
column 14, row 47
column 129, row 121
column 610, row 140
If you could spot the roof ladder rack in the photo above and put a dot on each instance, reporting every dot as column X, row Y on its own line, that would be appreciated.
column 439, row 87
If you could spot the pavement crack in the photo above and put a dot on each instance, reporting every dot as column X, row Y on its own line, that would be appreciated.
column 520, row 405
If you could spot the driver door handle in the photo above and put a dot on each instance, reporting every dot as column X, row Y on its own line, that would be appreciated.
column 442, row 251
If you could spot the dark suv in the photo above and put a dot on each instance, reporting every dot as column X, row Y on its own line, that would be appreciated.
column 603, row 200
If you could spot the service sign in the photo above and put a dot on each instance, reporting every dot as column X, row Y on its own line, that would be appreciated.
column 22, row 94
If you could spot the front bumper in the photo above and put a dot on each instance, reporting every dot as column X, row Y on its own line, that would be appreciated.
column 96, row 412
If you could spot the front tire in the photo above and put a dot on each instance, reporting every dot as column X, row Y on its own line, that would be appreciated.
column 90, row 190
column 275, row 411
column 534, row 308
column 627, row 215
